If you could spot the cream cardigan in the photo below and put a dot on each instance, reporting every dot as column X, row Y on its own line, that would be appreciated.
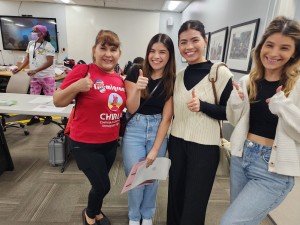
column 198, row 127
column 285, row 155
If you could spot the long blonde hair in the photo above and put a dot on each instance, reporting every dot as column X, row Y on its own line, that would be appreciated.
column 291, row 70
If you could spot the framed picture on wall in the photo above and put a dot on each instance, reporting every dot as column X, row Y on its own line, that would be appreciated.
column 205, row 52
column 242, row 40
column 217, row 45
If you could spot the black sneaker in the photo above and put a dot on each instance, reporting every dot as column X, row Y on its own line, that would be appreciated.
column 47, row 120
column 33, row 120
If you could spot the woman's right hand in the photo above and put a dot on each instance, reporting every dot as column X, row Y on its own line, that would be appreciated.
column 16, row 70
column 142, row 81
column 84, row 84
column 238, row 89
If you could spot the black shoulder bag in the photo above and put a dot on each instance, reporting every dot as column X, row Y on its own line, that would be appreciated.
column 124, row 121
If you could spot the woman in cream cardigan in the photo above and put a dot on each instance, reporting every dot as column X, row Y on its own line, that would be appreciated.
column 265, row 110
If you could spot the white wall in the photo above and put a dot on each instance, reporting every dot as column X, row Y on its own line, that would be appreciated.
column 172, row 31
column 134, row 28
column 216, row 14
column 297, row 11
column 78, row 25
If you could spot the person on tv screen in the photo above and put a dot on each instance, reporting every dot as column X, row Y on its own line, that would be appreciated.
column 40, row 54
column 24, row 42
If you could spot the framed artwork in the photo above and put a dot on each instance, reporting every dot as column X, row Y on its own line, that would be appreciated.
column 205, row 52
column 242, row 40
column 217, row 45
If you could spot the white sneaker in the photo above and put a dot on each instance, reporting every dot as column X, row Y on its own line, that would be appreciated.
column 131, row 222
column 147, row 222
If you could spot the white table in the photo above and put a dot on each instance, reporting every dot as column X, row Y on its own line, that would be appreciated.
column 30, row 105
column 41, row 105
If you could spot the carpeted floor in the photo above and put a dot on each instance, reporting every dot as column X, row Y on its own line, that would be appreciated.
column 36, row 193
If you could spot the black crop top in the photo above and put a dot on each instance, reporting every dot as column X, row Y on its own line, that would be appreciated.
column 156, row 103
column 262, row 121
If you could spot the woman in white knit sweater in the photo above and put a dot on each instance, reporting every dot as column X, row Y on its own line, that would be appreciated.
column 265, row 110
column 195, row 135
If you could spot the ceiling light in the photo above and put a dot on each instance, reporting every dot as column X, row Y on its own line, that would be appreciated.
column 173, row 5
column 8, row 20
column 65, row 1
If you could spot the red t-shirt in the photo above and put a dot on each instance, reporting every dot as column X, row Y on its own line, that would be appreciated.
column 98, row 111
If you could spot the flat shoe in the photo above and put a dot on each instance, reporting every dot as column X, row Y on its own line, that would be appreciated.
column 104, row 220
column 84, row 218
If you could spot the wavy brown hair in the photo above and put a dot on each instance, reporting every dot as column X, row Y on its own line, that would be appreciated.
column 291, row 70
column 106, row 37
column 169, row 72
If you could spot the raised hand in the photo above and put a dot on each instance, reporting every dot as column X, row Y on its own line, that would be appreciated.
column 142, row 81
column 85, row 84
column 277, row 90
column 237, row 87
column 194, row 104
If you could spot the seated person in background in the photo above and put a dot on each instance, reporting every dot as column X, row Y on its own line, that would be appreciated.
column 40, row 54
column 137, row 60
column 23, row 44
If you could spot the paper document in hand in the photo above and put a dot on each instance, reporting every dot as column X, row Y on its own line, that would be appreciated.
column 140, row 175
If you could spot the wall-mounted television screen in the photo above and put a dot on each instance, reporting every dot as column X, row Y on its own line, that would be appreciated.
column 16, row 30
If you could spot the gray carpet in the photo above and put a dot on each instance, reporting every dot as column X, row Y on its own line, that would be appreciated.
column 36, row 193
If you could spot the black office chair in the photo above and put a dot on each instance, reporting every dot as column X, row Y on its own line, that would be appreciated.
column 18, row 83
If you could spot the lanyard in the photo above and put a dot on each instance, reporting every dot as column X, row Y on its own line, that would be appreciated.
column 36, row 48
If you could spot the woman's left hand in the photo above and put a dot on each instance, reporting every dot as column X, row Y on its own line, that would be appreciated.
column 31, row 72
column 277, row 91
column 194, row 104
column 151, row 157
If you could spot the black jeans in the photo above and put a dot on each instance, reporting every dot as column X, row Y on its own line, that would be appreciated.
column 191, row 178
column 95, row 160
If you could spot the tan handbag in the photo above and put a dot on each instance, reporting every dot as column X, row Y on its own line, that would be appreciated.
column 224, row 163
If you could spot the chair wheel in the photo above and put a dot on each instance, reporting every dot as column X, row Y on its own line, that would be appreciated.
column 26, row 132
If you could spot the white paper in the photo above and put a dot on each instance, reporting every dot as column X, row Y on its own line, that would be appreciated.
column 48, row 108
column 58, row 71
column 42, row 100
column 139, row 173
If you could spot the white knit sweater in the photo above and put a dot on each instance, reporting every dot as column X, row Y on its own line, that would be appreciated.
column 285, row 155
column 197, row 126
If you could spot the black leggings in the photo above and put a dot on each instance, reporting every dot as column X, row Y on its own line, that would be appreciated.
column 95, row 160
column 191, row 178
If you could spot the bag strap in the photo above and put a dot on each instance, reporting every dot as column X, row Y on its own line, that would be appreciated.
column 141, row 106
column 213, row 80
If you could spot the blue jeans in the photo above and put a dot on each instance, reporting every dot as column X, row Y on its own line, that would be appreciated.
column 254, row 191
column 138, row 140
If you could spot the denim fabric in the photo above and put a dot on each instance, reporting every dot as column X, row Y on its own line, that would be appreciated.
column 254, row 190
column 138, row 140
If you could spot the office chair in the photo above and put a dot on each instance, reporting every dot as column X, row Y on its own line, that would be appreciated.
column 18, row 83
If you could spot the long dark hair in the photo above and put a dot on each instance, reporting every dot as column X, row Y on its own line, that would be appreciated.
column 47, row 37
column 169, row 72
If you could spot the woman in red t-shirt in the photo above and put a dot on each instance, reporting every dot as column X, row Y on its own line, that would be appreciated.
column 100, row 99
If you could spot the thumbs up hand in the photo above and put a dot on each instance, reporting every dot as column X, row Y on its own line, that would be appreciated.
column 85, row 84
column 194, row 104
column 238, row 89
column 142, row 81
column 277, row 91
